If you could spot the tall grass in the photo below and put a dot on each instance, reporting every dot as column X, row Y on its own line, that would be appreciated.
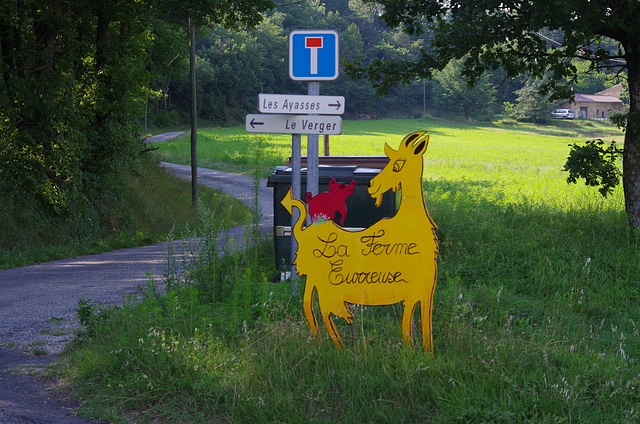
column 153, row 203
column 535, row 315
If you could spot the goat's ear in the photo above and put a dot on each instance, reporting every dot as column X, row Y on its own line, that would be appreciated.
column 388, row 150
column 422, row 146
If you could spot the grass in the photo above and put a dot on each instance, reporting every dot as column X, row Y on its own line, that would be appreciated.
column 155, row 203
column 535, row 310
column 231, row 149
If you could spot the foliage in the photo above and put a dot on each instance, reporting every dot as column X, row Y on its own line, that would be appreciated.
column 597, row 163
column 531, row 105
column 519, row 39
column 535, row 316
column 153, row 203
column 454, row 94
column 75, row 74
column 233, row 67
column 589, row 81
column 516, row 38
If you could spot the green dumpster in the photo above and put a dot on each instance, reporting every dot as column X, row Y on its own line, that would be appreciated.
column 361, row 209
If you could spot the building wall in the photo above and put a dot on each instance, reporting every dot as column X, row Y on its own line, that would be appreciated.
column 593, row 110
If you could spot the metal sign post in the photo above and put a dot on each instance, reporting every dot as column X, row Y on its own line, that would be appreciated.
column 313, row 57
column 313, row 159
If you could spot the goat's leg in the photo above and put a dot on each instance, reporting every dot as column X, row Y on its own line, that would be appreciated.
column 307, row 304
column 331, row 328
column 343, row 310
column 407, row 321
column 426, row 308
column 352, row 327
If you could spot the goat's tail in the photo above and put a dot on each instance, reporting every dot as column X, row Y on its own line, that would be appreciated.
column 289, row 203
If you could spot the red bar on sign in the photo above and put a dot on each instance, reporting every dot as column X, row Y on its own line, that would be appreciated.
column 313, row 42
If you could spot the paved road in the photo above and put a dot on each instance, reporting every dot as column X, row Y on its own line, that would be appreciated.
column 38, row 303
column 239, row 186
column 165, row 136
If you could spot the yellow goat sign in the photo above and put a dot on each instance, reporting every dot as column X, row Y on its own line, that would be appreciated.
column 392, row 261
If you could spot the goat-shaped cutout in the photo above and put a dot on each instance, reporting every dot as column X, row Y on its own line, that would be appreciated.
column 392, row 261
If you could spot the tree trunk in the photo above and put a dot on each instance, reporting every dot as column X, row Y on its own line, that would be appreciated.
column 631, row 158
column 194, row 115
column 102, row 37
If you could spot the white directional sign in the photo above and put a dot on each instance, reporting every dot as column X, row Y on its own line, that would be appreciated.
column 313, row 55
column 300, row 105
column 294, row 124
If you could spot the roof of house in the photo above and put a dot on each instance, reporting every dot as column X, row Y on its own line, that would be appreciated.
column 614, row 91
column 595, row 98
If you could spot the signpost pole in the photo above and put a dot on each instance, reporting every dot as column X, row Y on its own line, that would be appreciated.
column 313, row 57
column 313, row 161
column 194, row 116
column 295, row 188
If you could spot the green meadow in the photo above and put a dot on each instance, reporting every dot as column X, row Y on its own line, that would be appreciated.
column 506, row 155
column 535, row 310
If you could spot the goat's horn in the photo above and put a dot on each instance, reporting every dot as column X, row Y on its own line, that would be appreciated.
column 411, row 137
column 420, row 147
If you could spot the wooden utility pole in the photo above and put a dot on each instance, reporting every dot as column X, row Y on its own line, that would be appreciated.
column 194, row 115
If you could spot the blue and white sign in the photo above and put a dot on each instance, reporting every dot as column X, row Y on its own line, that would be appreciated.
column 313, row 55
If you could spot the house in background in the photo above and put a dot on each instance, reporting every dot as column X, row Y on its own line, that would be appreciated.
column 596, row 106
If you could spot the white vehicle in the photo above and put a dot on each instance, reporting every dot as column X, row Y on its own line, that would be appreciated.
column 563, row 114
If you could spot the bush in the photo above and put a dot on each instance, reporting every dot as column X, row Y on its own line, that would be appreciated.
column 507, row 122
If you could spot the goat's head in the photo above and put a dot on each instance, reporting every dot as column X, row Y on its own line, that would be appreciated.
column 404, row 162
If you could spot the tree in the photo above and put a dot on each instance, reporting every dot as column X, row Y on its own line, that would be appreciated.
column 589, row 82
column 75, row 74
column 530, row 104
column 452, row 93
column 508, row 34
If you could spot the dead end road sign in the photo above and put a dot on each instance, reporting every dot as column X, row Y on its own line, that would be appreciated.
column 313, row 55
column 294, row 124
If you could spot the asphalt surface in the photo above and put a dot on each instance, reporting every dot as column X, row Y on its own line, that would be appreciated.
column 164, row 136
column 38, row 305
column 241, row 187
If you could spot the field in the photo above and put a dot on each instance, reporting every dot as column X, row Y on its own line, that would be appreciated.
column 535, row 312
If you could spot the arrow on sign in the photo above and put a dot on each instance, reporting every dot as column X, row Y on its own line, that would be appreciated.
column 336, row 105
column 253, row 123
